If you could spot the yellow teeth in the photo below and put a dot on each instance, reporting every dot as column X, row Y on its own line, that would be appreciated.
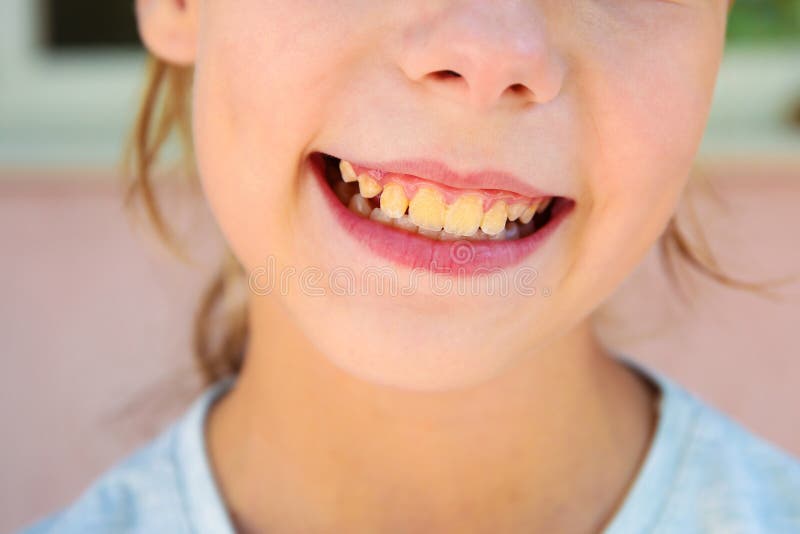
column 433, row 234
column 447, row 236
column 516, row 210
column 428, row 213
column 427, row 209
column 360, row 205
column 543, row 205
column 499, row 236
column 528, row 214
column 494, row 220
column 378, row 215
column 368, row 186
column 405, row 223
column 348, row 174
column 464, row 216
column 394, row 201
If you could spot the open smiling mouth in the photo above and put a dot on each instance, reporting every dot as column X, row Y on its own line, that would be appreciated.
column 420, row 222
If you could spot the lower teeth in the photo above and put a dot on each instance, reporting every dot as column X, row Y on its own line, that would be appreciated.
column 348, row 194
column 367, row 208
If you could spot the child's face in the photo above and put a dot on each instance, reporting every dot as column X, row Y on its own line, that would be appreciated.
column 601, row 102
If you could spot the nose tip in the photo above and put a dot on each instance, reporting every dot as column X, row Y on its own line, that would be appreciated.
column 482, row 58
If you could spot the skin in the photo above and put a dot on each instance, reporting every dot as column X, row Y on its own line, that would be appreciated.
column 423, row 412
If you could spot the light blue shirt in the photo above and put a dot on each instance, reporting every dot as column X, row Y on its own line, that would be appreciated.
column 702, row 473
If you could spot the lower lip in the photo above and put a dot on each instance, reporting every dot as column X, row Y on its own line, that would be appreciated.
column 419, row 252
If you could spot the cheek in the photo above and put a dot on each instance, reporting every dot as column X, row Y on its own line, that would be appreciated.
column 645, row 104
column 259, row 92
column 648, row 112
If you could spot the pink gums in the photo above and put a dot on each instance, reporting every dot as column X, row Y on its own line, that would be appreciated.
column 411, row 184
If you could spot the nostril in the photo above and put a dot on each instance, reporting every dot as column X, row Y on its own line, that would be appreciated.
column 520, row 89
column 450, row 80
column 445, row 75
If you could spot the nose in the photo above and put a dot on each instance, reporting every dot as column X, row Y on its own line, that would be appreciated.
column 483, row 52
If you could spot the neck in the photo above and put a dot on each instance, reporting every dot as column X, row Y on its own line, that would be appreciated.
column 300, row 445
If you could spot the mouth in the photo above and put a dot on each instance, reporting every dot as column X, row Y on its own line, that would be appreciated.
column 420, row 222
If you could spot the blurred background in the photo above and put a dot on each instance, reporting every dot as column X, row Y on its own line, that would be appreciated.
column 95, row 318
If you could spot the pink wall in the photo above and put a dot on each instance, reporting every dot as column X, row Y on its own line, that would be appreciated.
column 95, row 322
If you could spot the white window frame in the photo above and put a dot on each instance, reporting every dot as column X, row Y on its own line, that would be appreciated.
column 71, row 108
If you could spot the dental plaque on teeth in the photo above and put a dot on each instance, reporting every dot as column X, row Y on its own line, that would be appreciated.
column 416, row 205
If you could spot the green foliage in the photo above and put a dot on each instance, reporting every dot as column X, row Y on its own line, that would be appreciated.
column 764, row 21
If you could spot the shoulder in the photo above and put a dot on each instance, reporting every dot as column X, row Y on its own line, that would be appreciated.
column 725, row 478
column 732, row 480
column 140, row 494
column 705, row 473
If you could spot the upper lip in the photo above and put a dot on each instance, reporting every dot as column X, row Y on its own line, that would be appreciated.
column 437, row 171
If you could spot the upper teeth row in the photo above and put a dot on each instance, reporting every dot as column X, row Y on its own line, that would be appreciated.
column 429, row 210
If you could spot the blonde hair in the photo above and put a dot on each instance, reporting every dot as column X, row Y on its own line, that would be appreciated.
column 220, row 334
